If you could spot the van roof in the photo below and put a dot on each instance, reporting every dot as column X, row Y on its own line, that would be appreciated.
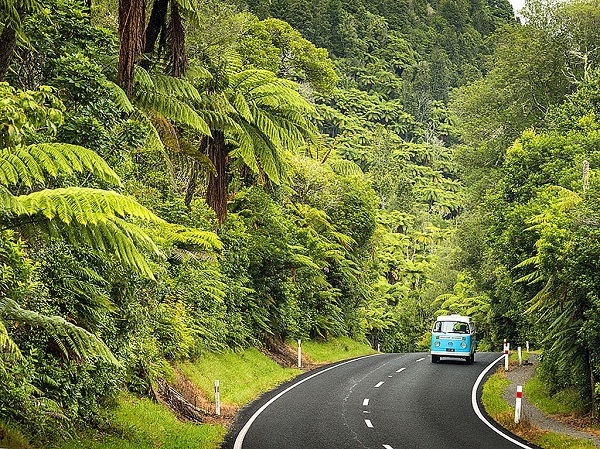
column 454, row 317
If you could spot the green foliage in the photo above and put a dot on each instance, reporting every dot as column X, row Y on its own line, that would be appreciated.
column 538, row 266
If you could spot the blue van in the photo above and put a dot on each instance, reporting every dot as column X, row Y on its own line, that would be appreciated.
column 453, row 336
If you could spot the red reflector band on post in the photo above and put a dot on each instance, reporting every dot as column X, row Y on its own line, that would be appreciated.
column 519, row 394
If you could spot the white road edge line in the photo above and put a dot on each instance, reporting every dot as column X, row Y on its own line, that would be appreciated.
column 239, row 440
column 387, row 446
column 379, row 384
column 478, row 412
column 400, row 370
column 420, row 360
column 369, row 423
column 366, row 402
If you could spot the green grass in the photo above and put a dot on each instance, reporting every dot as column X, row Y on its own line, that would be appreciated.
column 492, row 396
column 242, row 375
column 335, row 350
column 556, row 441
column 143, row 424
column 565, row 402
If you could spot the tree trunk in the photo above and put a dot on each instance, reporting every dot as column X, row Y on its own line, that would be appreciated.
column 156, row 23
column 178, row 61
column 216, row 194
column 8, row 42
column 132, row 17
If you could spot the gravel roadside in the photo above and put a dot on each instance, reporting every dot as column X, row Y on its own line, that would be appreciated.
column 519, row 375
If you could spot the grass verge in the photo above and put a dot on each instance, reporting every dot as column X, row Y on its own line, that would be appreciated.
column 566, row 402
column 503, row 413
column 242, row 375
column 139, row 423
column 335, row 350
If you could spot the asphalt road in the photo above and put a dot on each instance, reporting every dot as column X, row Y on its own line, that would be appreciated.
column 389, row 401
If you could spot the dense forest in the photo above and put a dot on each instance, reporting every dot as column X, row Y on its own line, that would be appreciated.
column 180, row 177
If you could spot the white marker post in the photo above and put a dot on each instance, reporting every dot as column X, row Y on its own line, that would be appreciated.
column 299, row 353
column 378, row 348
column 217, row 398
column 518, row 403
column 520, row 355
column 527, row 346
column 506, row 357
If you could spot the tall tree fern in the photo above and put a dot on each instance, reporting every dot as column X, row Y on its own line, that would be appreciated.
column 271, row 118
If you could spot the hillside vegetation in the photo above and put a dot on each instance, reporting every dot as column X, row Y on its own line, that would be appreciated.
column 179, row 179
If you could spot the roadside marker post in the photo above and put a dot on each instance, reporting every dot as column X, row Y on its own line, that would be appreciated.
column 299, row 353
column 217, row 398
column 520, row 355
column 527, row 346
column 506, row 346
column 518, row 404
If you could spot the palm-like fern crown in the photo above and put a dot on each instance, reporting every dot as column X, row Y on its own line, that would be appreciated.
column 273, row 118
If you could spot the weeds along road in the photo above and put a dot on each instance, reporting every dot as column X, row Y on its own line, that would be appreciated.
column 389, row 401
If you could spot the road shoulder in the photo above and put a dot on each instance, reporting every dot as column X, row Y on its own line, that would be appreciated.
column 519, row 375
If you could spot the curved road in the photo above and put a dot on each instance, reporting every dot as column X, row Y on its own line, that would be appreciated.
column 389, row 401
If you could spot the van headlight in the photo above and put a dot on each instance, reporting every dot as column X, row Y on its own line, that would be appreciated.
column 463, row 345
column 437, row 344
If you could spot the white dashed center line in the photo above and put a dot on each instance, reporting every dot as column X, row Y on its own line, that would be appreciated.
column 366, row 402
column 387, row 446
column 379, row 384
column 400, row 370
column 368, row 423
column 420, row 360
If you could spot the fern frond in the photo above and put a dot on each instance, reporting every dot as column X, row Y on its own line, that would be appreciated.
column 182, row 89
column 120, row 242
column 174, row 109
column 241, row 106
column 176, row 234
column 80, row 341
column 9, row 204
column 143, row 80
column 345, row 167
column 119, row 96
column 300, row 260
column 7, row 345
column 83, row 205
column 28, row 164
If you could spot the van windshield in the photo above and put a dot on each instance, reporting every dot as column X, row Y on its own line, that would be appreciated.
column 456, row 327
